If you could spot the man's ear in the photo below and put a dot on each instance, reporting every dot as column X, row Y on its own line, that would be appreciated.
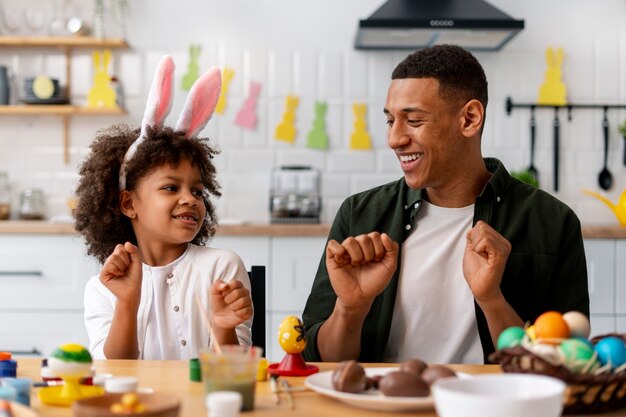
column 127, row 206
column 473, row 114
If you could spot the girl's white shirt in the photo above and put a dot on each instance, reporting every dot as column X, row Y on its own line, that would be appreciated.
column 169, row 323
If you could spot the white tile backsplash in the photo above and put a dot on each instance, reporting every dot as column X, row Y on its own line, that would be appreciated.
column 325, row 67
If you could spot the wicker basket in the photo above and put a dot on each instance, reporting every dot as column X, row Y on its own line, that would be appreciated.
column 585, row 393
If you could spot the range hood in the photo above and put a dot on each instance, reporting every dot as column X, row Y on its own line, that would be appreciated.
column 414, row 24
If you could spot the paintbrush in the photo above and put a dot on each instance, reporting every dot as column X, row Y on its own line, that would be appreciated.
column 207, row 321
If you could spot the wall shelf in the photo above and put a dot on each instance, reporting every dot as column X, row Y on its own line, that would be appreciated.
column 56, row 110
column 67, row 44
column 61, row 42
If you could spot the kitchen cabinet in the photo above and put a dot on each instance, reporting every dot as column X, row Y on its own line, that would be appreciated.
column 42, row 281
column 67, row 46
column 606, row 266
column 291, row 263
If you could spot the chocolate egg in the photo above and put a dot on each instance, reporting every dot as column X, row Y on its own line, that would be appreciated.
column 372, row 382
column 435, row 372
column 403, row 384
column 414, row 366
column 349, row 376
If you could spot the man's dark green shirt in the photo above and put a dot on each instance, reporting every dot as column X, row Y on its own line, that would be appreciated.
column 545, row 271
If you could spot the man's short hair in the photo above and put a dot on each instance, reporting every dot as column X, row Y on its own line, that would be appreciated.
column 459, row 73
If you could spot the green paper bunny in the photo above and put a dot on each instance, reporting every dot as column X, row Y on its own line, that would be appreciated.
column 317, row 138
column 193, row 68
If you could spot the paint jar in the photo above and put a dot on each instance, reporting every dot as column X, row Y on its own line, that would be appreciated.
column 8, row 393
column 121, row 384
column 22, row 388
column 224, row 403
column 234, row 368
column 8, row 367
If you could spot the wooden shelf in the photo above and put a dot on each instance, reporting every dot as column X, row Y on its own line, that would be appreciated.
column 56, row 110
column 67, row 44
column 61, row 42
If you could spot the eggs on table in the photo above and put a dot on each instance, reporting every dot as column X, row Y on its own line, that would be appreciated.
column 563, row 339
column 413, row 378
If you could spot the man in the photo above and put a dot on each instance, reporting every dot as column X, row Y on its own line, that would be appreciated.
column 437, row 264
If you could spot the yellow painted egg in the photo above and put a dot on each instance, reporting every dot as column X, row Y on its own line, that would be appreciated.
column 291, row 335
column 530, row 331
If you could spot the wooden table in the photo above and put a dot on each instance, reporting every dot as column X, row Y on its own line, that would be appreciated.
column 173, row 377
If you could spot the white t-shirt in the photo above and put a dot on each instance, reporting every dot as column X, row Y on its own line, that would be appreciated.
column 434, row 317
column 169, row 323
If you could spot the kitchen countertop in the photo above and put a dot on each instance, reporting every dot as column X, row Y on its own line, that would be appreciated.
column 609, row 231
column 51, row 228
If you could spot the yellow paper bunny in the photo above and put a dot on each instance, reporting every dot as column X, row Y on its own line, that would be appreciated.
column 360, row 138
column 101, row 93
column 286, row 130
column 553, row 90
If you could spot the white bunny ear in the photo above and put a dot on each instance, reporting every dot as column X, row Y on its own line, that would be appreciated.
column 159, row 104
column 160, row 97
column 200, row 103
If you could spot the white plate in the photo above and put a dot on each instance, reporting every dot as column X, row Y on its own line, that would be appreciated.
column 371, row 399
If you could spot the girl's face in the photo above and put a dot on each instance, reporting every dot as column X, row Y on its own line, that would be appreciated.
column 168, row 205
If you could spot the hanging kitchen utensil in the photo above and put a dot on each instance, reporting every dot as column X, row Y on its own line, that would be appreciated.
column 605, row 179
column 556, row 125
column 531, row 168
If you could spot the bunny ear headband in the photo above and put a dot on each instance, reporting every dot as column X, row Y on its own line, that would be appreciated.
column 197, row 111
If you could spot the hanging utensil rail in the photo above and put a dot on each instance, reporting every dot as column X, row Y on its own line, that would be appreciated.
column 510, row 105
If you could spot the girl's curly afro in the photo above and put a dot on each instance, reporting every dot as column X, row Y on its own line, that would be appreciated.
column 97, row 215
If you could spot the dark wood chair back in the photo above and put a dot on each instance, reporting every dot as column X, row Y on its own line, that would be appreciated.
column 257, row 293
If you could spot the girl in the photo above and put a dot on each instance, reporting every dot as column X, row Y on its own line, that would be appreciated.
column 144, row 210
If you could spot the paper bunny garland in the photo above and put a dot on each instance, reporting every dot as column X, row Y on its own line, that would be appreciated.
column 197, row 111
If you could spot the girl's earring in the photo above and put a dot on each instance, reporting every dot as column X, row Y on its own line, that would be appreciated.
column 132, row 216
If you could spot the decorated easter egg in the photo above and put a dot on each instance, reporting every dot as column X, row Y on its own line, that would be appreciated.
column 577, row 354
column 578, row 324
column 611, row 350
column 530, row 332
column 70, row 361
column 510, row 337
column 291, row 335
column 546, row 351
column 551, row 328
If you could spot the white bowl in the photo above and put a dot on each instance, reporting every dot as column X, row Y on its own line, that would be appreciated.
column 510, row 395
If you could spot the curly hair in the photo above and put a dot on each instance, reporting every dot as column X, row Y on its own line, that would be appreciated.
column 98, row 216
column 459, row 73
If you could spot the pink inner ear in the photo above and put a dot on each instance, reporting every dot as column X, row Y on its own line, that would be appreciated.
column 203, row 107
column 166, row 96
column 200, row 103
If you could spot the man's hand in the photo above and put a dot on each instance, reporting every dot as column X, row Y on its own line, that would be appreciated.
column 230, row 304
column 121, row 274
column 484, row 261
column 361, row 267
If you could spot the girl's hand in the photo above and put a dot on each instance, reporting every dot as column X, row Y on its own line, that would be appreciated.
column 230, row 304
column 121, row 273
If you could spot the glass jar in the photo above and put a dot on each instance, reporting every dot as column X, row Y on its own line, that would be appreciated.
column 5, row 196
column 32, row 204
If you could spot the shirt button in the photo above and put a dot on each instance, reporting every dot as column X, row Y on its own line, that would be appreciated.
column 498, row 199
column 407, row 227
column 183, row 342
column 406, row 206
column 416, row 205
column 170, row 275
column 176, row 308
